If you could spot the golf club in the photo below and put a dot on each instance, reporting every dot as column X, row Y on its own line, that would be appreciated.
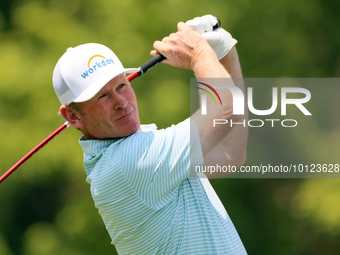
column 142, row 69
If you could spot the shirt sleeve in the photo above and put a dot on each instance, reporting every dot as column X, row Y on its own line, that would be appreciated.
column 156, row 162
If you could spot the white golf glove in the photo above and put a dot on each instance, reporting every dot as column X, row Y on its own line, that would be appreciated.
column 219, row 39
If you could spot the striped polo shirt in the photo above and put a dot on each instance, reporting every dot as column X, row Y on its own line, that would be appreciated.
column 149, row 197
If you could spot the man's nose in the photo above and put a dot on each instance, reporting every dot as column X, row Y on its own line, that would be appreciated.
column 120, row 102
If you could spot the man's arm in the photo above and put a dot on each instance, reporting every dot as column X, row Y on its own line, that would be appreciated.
column 189, row 49
column 232, row 149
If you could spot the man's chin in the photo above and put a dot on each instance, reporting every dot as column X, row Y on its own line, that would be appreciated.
column 127, row 133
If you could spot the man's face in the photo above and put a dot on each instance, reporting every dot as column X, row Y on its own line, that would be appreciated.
column 112, row 112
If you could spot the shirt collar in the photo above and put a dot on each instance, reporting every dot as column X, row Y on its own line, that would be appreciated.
column 94, row 147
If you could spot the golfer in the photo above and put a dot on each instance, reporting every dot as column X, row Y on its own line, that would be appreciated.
column 142, row 179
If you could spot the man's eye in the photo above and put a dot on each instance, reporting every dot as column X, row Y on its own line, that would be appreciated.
column 120, row 86
column 104, row 95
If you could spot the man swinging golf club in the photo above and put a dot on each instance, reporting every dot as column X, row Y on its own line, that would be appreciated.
column 141, row 178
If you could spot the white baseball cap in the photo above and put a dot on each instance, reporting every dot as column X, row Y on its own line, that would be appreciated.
column 84, row 70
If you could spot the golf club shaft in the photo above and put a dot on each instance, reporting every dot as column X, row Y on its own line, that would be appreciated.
column 143, row 69
column 32, row 152
column 158, row 58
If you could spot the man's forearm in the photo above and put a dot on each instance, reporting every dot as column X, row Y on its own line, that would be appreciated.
column 211, row 137
column 232, row 64
column 232, row 149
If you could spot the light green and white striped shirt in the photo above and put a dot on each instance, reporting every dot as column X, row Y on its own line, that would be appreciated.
column 149, row 201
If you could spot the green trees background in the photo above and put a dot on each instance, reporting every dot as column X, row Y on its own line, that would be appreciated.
column 45, row 206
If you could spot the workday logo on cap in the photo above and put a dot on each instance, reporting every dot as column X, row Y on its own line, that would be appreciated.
column 96, row 65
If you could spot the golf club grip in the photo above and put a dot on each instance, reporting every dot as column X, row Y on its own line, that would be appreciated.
column 159, row 58
column 151, row 63
column 218, row 24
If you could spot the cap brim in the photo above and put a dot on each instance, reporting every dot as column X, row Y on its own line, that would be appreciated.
column 92, row 90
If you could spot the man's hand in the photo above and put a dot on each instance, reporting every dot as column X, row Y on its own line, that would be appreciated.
column 219, row 39
column 185, row 48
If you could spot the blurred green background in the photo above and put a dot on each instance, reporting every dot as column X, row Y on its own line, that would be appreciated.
column 46, row 207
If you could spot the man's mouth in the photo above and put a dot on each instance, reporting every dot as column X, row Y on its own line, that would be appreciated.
column 125, row 116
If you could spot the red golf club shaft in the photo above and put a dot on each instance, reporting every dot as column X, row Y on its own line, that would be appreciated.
column 35, row 149
column 145, row 67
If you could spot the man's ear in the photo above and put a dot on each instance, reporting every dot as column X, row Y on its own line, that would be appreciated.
column 72, row 116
